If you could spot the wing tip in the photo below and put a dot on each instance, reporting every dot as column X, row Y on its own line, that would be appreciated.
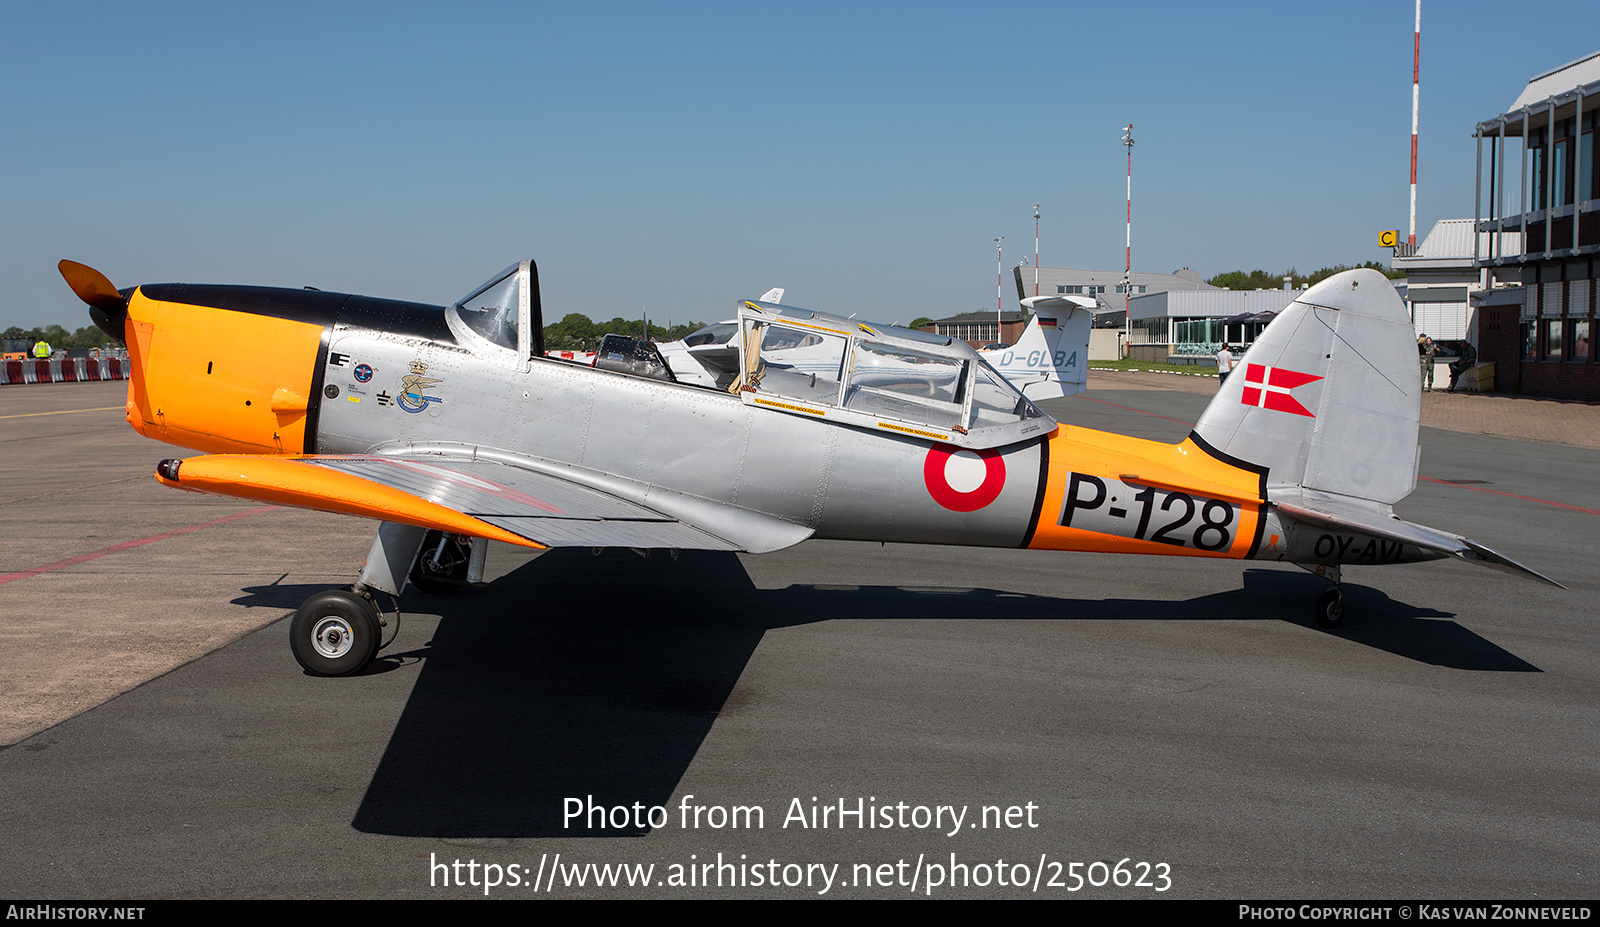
column 1489, row 557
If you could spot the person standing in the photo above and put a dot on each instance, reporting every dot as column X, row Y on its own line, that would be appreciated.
column 1426, row 351
column 1224, row 363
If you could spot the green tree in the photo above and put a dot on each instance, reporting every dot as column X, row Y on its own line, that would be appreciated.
column 1262, row 280
column 58, row 337
column 1251, row 280
column 573, row 333
column 576, row 332
column 1327, row 272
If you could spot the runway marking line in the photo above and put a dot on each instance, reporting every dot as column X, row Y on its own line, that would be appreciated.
column 129, row 545
column 63, row 412
column 1559, row 505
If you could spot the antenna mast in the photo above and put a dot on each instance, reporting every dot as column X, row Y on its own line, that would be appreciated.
column 1416, row 74
column 998, row 276
column 1127, row 273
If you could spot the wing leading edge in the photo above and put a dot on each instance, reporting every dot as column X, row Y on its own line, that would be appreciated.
column 477, row 497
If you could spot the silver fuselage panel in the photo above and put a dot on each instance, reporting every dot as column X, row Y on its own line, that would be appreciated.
column 843, row 475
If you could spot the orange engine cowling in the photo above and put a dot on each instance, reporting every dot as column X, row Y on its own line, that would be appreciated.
column 219, row 380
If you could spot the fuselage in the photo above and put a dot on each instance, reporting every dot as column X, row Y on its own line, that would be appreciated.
column 298, row 372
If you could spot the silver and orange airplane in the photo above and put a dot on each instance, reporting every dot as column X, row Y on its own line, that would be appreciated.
column 449, row 426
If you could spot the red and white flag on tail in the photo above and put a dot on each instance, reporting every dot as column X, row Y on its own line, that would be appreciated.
column 1269, row 387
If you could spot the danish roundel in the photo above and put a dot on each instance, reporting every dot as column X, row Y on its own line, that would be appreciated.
column 962, row 480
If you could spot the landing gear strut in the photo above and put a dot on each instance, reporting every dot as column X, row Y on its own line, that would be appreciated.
column 441, row 565
column 1330, row 604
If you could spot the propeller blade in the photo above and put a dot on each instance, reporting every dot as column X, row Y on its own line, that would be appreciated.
column 91, row 286
column 107, row 308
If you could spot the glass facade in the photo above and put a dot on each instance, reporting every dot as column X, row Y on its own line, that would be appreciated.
column 972, row 331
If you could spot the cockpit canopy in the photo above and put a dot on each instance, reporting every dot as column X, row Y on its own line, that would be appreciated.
column 894, row 379
column 718, row 333
column 794, row 361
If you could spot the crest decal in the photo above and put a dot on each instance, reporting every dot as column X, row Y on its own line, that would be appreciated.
column 411, row 397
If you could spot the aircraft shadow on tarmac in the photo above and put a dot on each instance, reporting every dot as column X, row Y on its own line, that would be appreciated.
column 607, row 681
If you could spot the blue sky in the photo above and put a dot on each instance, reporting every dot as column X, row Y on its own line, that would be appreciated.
column 682, row 156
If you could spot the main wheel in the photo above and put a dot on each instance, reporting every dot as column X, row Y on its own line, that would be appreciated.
column 443, row 568
column 335, row 633
column 1330, row 608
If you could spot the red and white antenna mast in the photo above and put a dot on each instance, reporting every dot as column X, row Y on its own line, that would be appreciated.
column 1036, row 249
column 998, row 290
column 1416, row 74
column 1127, row 274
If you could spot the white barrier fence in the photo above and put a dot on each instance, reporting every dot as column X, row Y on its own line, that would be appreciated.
column 64, row 370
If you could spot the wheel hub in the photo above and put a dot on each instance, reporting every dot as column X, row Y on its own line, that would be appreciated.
column 332, row 637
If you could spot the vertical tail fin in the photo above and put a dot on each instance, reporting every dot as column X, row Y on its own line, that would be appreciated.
column 1329, row 398
column 1051, row 359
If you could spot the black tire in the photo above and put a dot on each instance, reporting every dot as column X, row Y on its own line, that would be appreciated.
column 335, row 633
column 1330, row 609
column 447, row 574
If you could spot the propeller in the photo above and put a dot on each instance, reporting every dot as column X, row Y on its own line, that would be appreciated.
column 108, row 308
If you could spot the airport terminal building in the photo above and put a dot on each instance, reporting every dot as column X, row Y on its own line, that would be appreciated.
column 982, row 327
column 1441, row 278
column 1198, row 322
column 1537, row 209
column 1105, row 286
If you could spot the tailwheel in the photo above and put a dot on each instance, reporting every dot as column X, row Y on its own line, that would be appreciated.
column 1330, row 608
column 442, row 562
column 335, row 633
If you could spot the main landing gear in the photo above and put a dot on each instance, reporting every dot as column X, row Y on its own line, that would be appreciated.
column 339, row 632
column 442, row 564
column 1330, row 604
column 1330, row 608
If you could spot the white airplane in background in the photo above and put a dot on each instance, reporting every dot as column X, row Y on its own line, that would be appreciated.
column 711, row 355
column 1049, row 361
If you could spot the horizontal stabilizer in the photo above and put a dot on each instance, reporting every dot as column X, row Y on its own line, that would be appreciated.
column 1351, row 515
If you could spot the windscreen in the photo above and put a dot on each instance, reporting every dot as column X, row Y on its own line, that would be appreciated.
column 492, row 312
